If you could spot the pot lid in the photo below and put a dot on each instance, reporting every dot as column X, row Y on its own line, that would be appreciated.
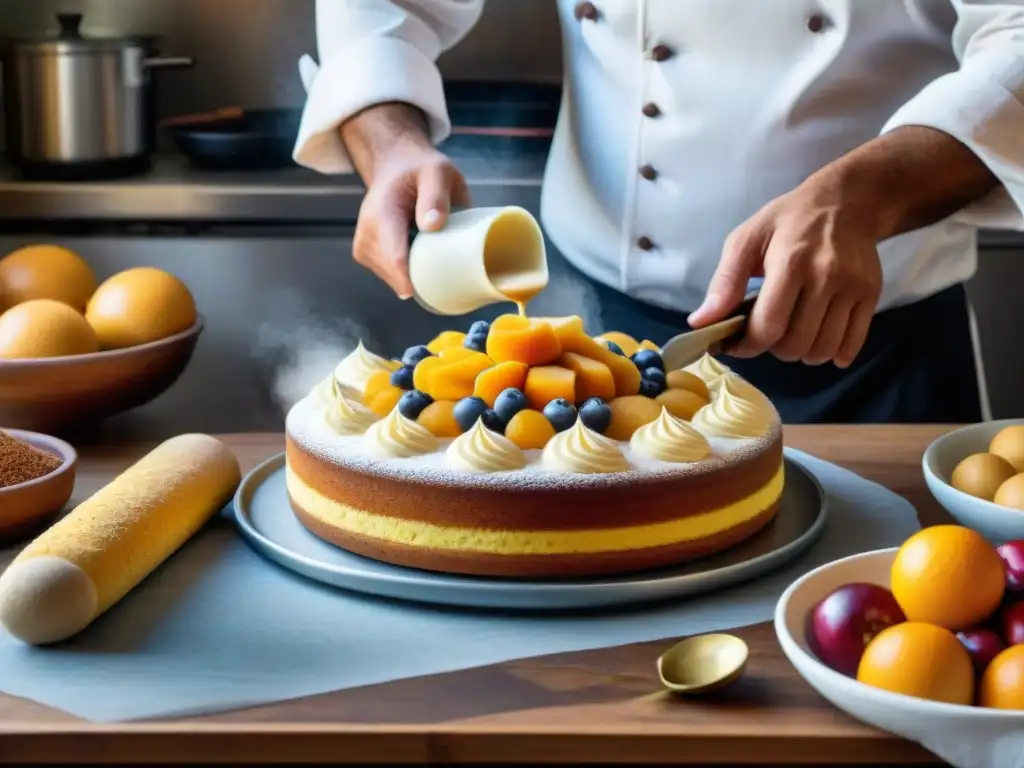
column 70, row 40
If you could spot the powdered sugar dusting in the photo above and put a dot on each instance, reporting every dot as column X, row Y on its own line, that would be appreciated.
column 308, row 429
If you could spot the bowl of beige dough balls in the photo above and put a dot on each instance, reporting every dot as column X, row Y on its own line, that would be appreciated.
column 977, row 474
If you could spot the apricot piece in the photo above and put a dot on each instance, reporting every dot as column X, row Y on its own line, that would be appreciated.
column 511, row 322
column 593, row 378
column 565, row 324
column 688, row 381
column 446, row 339
column 451, row 354
column 545, row 383
column 386, row 400
column 629, row 414
column 423, row 372
column 529, row 429
column 624, row 372
column 455, row 380
column 492, row 382
column 624, row 341
column 681, row 403
column 439, row 418
column 648, row 344
column 376, row 384
column 523, row 340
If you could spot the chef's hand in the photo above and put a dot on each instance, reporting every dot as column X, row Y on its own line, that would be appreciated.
column 409, row 183
column 822, row 278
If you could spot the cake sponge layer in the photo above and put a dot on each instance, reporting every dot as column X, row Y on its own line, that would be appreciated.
column 535, row 566
column 518, row 542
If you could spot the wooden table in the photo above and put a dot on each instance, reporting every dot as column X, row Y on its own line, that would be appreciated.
column 590, row 707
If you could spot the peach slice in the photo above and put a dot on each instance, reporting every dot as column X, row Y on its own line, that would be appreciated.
column 522, row 340
column 386, row 400
column 455, row 380
column 545, row 383
column 681, row 403
column 446, row 339
column 629, row 414
column 625, row 342
column 565, row 324
column 648, row 344
column 492, row 382
column 451, row 354
column 688, row 381
column 376, row 384
column 593, row 379
column 424, row 371
column 439, row 418
column 529, row 429
column 624, row 372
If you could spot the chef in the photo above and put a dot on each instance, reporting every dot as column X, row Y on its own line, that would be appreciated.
column 836, row 155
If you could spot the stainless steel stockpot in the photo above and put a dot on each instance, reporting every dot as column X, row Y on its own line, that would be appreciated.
column 79, row 106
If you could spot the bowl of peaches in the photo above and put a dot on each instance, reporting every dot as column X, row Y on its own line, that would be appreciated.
column 925, row 641
column 74, row 351
column 977, row 474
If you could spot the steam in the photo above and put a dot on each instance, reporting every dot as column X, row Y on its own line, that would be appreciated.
column 302, row 349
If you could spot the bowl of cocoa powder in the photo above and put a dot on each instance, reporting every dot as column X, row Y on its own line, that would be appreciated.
column 37, row 478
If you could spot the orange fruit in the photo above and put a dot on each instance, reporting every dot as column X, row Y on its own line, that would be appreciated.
column 44, row 328
column 45, row 272
column 138, row 306
column 921, row 660
column 948, row 575
column 1002, row 684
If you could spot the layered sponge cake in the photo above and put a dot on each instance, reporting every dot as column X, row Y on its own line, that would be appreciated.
column 526, row 448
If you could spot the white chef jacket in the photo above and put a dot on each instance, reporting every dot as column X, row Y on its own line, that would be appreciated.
column 681, row 118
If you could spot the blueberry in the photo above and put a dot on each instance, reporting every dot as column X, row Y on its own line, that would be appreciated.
column 615, row 348
column 648, row 358
column 561, row 413
column 476, row 342
column 493, row 421
column 402, row 377
column 413, row 355
column 468, row 410
column 595, row 414
column 508, row 403
column 411, row 404
column 656, row 375
column 650, row 388
column 479, row 328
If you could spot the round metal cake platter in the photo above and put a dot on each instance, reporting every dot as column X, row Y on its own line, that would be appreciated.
column 265, row 519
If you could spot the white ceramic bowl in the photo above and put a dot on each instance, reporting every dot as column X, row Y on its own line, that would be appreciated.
column 940, row 727
column 995, row 523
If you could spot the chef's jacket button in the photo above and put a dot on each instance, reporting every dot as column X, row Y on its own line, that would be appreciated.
column 816, row 23
column 648, row 172
column 644, row 243
column 662, row 53
column 586, row 11
column 651, row 110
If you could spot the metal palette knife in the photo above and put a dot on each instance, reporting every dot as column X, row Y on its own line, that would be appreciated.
column 686, row 348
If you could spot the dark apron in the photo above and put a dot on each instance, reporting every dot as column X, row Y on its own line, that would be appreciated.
column 917, row 365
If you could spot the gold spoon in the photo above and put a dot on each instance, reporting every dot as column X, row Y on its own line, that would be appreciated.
column 703, row 663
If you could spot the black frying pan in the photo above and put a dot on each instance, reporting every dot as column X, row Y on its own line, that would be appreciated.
column 237, row 139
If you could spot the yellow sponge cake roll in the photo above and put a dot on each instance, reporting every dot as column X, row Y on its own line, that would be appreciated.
column 92, row 558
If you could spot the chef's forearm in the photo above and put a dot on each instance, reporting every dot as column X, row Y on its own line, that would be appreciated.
column 906, row 179
column 373, row 133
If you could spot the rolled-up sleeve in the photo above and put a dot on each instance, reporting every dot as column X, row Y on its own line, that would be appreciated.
column 982, row 104
column 372, row 52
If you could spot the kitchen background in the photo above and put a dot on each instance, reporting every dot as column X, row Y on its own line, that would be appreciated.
column 268, row 252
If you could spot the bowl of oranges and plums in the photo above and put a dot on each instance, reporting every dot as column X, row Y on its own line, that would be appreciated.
column 977, row 474
column 921, row 640
column 74, row 350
